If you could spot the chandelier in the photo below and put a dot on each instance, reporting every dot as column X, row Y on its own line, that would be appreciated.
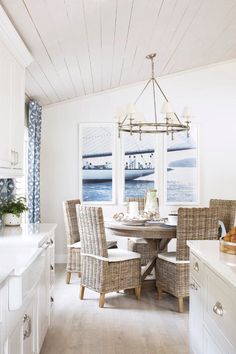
column 129, row 119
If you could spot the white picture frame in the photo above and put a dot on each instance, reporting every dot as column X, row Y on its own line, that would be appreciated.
column 91, row 189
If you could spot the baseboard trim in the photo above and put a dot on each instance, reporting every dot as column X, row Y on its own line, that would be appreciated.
column 60, row 258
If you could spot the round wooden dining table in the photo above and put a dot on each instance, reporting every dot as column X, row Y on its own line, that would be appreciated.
column 158, row 235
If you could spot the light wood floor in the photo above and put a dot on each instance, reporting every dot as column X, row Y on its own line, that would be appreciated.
column 124, row 326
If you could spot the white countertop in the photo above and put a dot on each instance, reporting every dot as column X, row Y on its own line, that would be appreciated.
column 222, row 263
column 33, row 235
column 5, row 272
column 19, row 246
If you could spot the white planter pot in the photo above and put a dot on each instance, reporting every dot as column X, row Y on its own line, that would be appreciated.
column 12, row 220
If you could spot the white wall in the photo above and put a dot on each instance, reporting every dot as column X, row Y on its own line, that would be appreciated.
column 211, row 92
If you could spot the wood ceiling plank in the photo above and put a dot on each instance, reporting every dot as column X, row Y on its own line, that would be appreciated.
column 108, row 13
column 78, row 30
column 25, row 26
column 34, row 90
column 92, row 18
column 123, row 19
column 188, row 18
column 199, row 45
column 146, row 46
column 138, row 35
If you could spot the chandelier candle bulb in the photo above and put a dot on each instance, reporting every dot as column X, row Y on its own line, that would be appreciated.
column 130, row 108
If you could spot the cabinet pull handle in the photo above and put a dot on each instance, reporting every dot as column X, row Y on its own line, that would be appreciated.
column 46, row 245
column 196, row 266
column 51, row 241
column 17, row 157
column 193, row 286
column 12, row 158
column 52, row 299
column 51, row 267
column 218, row 309
column 27, row 332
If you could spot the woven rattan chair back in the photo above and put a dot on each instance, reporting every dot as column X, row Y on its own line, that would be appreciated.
column 141, row 203
column 92, row 230
column 70, row 219
column 227, row 211
column 195, row 224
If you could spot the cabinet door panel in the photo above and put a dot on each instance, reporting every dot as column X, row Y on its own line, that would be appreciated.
column 15, row 341
column 6, row 68
column 17, row 122
column 195, row 316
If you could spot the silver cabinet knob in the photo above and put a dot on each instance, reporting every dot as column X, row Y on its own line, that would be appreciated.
column 196, row 267
column 218, row 309
column 27, row 331
column 193, row 286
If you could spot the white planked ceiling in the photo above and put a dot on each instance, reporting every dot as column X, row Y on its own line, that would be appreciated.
column 85, row 46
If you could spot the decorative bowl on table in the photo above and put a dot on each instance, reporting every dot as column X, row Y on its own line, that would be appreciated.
column 129, row 220
column 228, row 242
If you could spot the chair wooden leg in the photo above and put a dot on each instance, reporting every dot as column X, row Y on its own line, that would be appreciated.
column 68, row 277
column 138, row 292
column 81, row 292
column 102, row 300
column 181, row 304
column 79, row 274
column 159, row 293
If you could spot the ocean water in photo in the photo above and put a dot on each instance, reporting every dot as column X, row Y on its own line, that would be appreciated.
column 97, row 192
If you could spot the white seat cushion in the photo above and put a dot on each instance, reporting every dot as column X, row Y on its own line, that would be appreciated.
column 138, row 240
column 117, row 255
column 171, row 257
column 111, row 243
column 75, row 245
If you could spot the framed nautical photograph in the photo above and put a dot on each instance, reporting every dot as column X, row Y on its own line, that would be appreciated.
column 96, row 163
column 139, row 165
column 182, row 168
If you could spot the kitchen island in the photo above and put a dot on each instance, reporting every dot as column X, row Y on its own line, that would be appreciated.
column 26, row 286
column 212, row 299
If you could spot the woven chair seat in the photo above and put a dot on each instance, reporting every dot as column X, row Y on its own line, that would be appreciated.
column 139, row 240
column 171, row 257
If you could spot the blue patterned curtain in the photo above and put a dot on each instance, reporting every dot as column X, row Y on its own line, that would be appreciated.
column 34, row 129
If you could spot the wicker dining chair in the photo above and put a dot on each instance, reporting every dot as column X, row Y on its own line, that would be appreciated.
column 172, row 268
column 104, row 270
column 146, row 249
column 227, row 211
column 73, row 239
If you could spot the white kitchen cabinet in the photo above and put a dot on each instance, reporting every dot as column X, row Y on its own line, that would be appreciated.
column 6, row 73
column 212, row 299
column 23, row 327
column 22, row 338
column 18, row 116
column 14, row 57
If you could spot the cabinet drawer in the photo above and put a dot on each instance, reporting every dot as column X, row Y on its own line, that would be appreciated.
column 196, row 268
column 212, row 344
column 220, row 310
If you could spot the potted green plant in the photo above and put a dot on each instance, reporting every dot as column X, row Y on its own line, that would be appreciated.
column 11, row 211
